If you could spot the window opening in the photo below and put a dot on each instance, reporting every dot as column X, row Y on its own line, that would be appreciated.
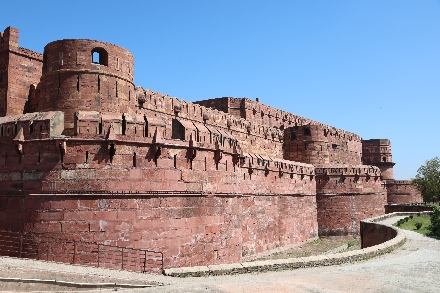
column 124, row 125
column 99, row 84
column 134, row 159
column 95, row 57
column 112, row 152
column 87, row 157
column 178, row 131
column 307, row 132
column 61, row 153
column 146, row 129
column 77, row 83
column 100, row 56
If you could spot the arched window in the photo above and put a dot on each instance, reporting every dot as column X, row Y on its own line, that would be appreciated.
column 100, row 56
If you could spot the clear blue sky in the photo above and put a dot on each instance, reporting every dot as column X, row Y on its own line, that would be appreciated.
column 369, row 67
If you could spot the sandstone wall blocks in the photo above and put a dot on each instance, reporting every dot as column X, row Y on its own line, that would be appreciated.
column 279, row 264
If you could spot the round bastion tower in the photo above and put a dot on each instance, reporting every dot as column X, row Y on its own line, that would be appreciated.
column 86, row 75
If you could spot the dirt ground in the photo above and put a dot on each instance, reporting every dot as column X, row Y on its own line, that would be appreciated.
column 319, row 246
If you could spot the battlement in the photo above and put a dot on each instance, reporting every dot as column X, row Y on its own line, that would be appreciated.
column 268, row 115
column 402, row 191
column 32, row 125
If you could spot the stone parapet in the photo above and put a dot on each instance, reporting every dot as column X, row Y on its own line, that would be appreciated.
column 402, row 192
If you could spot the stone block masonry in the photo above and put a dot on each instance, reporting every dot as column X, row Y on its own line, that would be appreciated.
column 87, row 155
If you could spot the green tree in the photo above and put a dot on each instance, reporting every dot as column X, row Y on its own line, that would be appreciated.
column 427, row 180
column 435, row 221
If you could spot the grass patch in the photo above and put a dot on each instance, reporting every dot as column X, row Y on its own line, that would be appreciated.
column 411, row 224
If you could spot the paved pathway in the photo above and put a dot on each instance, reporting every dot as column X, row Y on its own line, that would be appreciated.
column 414, row 267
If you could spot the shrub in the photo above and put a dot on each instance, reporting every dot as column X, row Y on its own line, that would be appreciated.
column 400, row 222
column 411, row 216
column 418, row 225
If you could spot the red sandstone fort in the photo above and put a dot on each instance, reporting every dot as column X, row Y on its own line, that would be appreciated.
column 94, row 163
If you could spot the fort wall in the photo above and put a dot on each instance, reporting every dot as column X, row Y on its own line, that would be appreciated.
column 188, row 229
column 86, row 155
column 194, row 202
column 345, row 195
column 19, row 69
column 402, row 191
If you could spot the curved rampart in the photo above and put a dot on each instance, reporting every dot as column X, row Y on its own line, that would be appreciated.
column 391, row 238
column 196, row 202
column 345, row 195
column 402, row 192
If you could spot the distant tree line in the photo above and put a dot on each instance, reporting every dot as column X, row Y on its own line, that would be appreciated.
column 427, row 180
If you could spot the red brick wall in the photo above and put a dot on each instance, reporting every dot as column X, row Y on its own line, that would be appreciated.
column 402, row 191
column 374, row 234
column 19, row 68
column 198, row 211
column 315, row 144
column 190, row 230
column 339, row 214
column 3, row 76
column 346, row 195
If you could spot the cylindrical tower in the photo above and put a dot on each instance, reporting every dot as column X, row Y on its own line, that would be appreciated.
column 377, row 152
column 306, row 144
column 86, row 75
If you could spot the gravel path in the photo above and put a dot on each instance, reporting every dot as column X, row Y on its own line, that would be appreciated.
column 412, row 268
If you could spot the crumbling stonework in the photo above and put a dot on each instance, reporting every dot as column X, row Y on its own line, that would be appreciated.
column 86, row 155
